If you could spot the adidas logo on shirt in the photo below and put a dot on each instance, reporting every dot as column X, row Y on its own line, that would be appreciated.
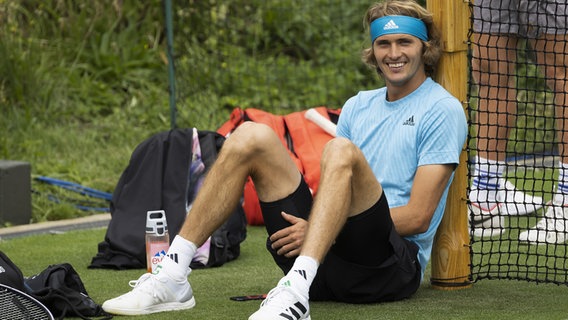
column 409, row 122
column 390, row 25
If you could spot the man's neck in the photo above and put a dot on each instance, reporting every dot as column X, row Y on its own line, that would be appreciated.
column 395, row 92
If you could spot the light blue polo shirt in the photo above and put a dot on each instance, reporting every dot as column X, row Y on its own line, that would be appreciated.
column 426, row 127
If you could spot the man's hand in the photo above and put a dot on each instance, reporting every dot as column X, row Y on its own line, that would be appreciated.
column 288, row 241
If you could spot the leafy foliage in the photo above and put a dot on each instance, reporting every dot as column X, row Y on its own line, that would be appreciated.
column 83, row 82
column 275, row 55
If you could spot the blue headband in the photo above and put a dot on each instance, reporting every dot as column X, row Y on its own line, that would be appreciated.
column 398, row 24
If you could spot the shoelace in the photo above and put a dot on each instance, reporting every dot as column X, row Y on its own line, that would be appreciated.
column 134, row 283
column 147, row 284
column 270, row 298
column 283, row 298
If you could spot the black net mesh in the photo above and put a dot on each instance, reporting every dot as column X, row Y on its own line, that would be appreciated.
column 519, row 52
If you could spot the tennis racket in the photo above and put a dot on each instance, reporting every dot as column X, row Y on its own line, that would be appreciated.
column 321, row 121
column 15, row 304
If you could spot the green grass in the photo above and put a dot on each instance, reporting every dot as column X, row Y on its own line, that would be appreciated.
column 254, row 272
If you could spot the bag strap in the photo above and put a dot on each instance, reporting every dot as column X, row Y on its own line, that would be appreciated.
column 10, row 274
column 56, row 284
column 59, row 294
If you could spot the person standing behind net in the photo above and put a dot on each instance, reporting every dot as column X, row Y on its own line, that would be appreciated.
column 400, row 143
column 498, row 26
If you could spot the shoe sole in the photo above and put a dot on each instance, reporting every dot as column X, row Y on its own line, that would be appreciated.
column 488, row 226
column 512, row 209
column 170, row 306
column 528, row 242
column 541, row 243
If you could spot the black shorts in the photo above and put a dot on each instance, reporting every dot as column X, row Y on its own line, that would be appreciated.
column 369, row 262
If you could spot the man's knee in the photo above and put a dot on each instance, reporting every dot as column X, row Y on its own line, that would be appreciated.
column 249, row 139
column 340, row 152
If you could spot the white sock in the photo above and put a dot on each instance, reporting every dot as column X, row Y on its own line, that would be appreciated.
column 301, row 275
column 485, row 184
column 179, row 256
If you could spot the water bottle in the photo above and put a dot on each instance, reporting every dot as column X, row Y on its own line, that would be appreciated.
column 157, row 238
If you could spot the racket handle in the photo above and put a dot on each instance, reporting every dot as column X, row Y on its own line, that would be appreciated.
column 321, row 121
column 248, row 298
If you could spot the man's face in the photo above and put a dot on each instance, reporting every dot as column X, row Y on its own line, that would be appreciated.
column 399, row 57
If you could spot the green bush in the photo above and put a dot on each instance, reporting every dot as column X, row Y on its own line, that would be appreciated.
column 280, row 56
column 83, row 82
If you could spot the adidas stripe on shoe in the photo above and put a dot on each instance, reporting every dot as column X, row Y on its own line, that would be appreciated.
column 283, row 303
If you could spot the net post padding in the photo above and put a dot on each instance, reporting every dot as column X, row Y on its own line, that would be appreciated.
column 451, row 258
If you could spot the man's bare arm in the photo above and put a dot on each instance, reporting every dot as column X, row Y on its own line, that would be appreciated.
column 428, row 187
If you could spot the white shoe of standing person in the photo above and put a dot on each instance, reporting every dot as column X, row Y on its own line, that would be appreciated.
column 552, row 228
column 486, row 222
column 516, row 202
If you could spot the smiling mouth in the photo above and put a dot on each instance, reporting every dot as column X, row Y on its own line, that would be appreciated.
column 396, row 65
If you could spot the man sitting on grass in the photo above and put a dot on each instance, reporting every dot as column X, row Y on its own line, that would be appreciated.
column 400, row 143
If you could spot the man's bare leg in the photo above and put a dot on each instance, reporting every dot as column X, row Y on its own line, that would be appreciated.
column 493, row 69
column 347, row 187
column 552, row 53
column 344, row 169
column 252, row 150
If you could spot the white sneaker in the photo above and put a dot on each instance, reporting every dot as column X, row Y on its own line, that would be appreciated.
column 486, row 223
column 152, row 294
column 283, row 303
column 516, row 202
column 551, row 229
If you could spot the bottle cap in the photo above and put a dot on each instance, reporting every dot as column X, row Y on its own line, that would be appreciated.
column 156, row 222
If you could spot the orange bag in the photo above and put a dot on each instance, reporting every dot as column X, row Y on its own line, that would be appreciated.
column 303, row 139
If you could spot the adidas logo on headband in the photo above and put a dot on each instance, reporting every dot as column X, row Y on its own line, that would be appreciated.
column 398, row 24
column 390, row 25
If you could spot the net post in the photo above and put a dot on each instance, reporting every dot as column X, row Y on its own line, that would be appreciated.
column 451, row 258
column 171, row 67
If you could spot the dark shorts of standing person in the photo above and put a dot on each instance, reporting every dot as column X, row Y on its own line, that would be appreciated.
column 526, row 18
column 369, row 261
